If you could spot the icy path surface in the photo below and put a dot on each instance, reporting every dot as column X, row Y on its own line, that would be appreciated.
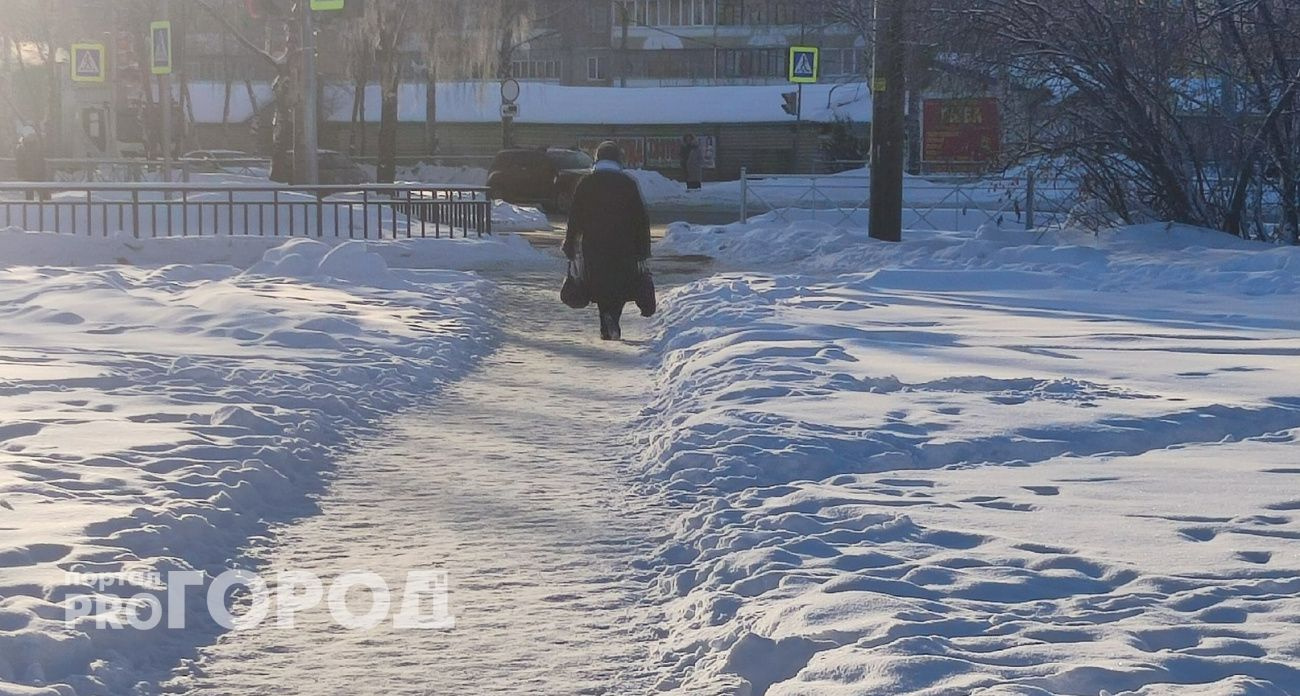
column 514, row 484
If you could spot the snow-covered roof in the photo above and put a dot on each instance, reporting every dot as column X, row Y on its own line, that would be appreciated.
column 208, row 99
column 551, row 103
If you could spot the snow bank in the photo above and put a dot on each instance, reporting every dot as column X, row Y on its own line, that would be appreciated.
column 958, row 474
column 1167, row 257
column 160, row 419
column 47, row 248
column 425, row 173
column 508, row 217
column 935, row 199
column 438, row 174
column 655, row 187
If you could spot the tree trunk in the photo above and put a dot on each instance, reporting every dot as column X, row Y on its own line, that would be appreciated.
column 365, row 123
column 390, row 79
column 361, row 68
column 282, row 129
column 53, row 135
column 431, row 101
column 386, row 171
column 227, row 75
column 354, row 120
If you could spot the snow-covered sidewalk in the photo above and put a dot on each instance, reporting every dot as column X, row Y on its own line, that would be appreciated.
column 517, row 484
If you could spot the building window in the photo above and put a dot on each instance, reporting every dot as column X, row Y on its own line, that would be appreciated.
column 731, row 12
column 842, row 61
column 598, row 18
column 595, row 69
column 753, row 62
column 669, row 13
column 529, row 69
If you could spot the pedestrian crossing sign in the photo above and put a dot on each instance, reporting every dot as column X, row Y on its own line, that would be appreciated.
column 160, row 54
column 87, row 62
column 804, row 64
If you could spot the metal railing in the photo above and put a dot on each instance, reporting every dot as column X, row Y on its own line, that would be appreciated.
column 135, row 170
column 950, row 204
column 373, row 211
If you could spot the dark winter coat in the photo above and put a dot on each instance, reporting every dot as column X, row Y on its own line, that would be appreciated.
column 693, row 162
column 29, row 159
column 608, row 223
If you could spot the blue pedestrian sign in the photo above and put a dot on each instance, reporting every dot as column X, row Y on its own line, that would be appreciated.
column 804, row 64
column 88, row 63
column 160, row 54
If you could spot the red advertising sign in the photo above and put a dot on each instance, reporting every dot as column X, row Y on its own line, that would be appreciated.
column 962, row 132
column 654, row 152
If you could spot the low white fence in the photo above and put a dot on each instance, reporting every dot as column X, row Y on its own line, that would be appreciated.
column 929, row 202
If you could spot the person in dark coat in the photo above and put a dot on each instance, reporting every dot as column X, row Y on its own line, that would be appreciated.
column 692, row 158
column 29, row 160
column 610, row 229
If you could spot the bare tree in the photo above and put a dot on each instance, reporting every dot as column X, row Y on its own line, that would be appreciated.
column 286, row 93
column 1181, row 111
column 456, row 37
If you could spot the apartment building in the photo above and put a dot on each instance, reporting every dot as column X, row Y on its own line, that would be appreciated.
column 642, row 43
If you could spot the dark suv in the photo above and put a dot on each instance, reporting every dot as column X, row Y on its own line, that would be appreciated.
column 538, row 176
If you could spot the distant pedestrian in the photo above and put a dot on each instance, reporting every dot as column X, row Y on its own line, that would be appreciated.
column 609, row 234
column 692, row 160
column 29, row 160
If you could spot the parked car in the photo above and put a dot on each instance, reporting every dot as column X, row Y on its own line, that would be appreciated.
column 336, row 169
column 226, row 161
column 545, row 176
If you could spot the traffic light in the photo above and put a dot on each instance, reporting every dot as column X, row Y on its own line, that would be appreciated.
column 791, row 105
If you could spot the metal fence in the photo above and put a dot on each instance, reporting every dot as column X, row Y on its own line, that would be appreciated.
column 136, row 170
column 929, row 203
column 374, row 211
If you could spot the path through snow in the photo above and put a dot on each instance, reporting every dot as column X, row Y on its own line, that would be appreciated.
column 514, row 483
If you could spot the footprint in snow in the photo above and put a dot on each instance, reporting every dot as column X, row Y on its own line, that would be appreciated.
column 1043, row 490
column 1198, row 533
column 1257, row 557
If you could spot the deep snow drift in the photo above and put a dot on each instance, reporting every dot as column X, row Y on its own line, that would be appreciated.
column 982, row 464
column 160, row 418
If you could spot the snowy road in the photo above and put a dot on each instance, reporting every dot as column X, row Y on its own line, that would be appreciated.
column 514, row 484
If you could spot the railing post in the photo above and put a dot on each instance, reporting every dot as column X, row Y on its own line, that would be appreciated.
column 744, row 195
column 1031, row 195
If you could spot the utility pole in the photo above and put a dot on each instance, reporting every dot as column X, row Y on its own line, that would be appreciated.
column 888, row 90
column 113, row 56
column 309, row 141
column 165, row 102
column 505, row 72
column 798, row 109
column 622, row 47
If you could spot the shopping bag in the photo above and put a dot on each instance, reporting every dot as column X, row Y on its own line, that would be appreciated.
column 573, row 292
column 645, row 292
